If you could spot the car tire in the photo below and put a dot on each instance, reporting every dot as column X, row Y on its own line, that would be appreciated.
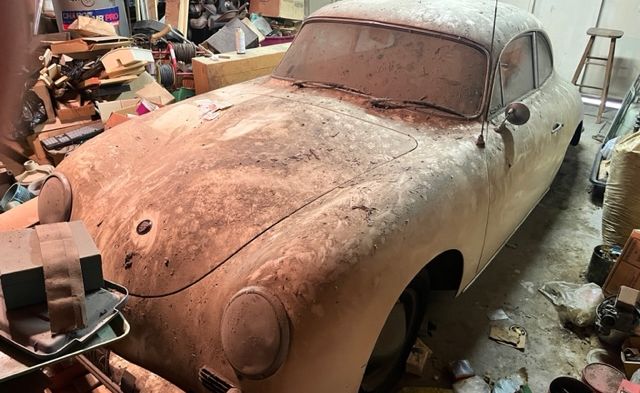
column 576, row 136
column 382, row 378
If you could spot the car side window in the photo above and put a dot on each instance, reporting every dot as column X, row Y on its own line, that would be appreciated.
column 516, row 69
column 545, row 58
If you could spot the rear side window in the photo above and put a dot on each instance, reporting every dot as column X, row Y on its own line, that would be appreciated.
column 516, row 69
column 545, row 58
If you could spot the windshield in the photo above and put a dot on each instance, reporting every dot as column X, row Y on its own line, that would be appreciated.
column 389, row 63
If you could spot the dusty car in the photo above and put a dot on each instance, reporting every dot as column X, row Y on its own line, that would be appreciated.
column 287, row 243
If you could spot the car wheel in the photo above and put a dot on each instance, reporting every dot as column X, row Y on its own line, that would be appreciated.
column 576, row 136
column 387, row 362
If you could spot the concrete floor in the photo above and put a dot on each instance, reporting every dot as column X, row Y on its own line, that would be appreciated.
column 554, row 243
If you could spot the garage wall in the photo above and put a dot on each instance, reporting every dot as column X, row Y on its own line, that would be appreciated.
column 567, row 22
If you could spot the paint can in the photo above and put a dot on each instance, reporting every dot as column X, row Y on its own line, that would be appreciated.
column 602, row 377
column 602, row 260
column 15, row 194
column 110, row 11
column 568, row 385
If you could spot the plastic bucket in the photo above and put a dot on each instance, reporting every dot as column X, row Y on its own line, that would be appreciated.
column 15, row 193
column 568, row 385
column 602, row 260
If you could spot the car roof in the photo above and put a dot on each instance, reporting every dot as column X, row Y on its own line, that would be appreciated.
column 469, row 19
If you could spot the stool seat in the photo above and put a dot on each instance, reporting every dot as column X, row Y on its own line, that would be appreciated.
column 609, row 33
column 587, row 59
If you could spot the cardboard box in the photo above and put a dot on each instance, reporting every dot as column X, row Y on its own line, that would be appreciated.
column 628, row 298
column 74, row 111
column 21, row 274
column 44, row 94
column 87, row 47
column 626, row 271
column 288, row 9
column 106, row 108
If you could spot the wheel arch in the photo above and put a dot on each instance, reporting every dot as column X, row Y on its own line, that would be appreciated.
column 445, row 271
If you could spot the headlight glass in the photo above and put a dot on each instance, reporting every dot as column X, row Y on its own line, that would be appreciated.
column 54, row 201
column 255, row 333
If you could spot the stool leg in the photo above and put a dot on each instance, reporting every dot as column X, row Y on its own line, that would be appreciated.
column 587, row 51
column 607, row 79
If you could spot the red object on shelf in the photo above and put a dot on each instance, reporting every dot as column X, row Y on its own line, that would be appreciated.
column 277, row 40
column 628, row 387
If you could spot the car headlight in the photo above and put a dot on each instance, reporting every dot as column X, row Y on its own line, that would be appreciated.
column 54, row 201
column 255, row 333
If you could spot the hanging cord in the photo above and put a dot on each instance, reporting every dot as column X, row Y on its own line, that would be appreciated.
column 480, row 142
column 185, row 52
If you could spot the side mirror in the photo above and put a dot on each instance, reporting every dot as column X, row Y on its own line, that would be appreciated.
column 517, row 114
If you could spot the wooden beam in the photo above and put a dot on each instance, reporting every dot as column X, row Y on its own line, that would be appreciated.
column 172, row 7
column 183, row 17
column 152, row 9
column 232, row 68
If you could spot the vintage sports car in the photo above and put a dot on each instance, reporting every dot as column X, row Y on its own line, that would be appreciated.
column 286, row 244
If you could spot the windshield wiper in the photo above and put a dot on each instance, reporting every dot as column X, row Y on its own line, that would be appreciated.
column 329, row 85
column 391, row 103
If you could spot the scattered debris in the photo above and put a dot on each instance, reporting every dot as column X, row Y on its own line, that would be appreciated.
column 210, row 110
column 474, row 384
column 461, row 369
column 497, row 315
column 418, row 357
column 575, row 303
column 513, row 383
column 507, row 333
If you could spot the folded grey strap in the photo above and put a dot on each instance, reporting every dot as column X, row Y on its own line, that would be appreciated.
column 62, row 277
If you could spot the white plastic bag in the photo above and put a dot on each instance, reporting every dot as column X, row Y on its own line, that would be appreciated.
column 575, row 303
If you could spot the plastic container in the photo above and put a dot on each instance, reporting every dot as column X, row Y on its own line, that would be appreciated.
column 33, row 172
column 111, row 11
column 15, row 194
column 568, row 385
column 602, row 260
column 241, row 46
column 602, row 378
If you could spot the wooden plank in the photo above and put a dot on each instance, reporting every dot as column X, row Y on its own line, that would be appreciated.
column 152, row 9
column 172, row 8
column 232, row 68
column 43, row 92
column 183, row 17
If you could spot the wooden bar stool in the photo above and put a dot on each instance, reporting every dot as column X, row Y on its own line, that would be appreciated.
column 587, row 59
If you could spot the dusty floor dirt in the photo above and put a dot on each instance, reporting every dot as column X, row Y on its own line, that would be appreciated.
column 554, row 243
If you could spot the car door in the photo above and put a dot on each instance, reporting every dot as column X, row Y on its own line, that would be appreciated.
column 519, row 158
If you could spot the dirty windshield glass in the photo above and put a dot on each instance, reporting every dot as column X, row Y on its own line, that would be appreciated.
column 389, row 63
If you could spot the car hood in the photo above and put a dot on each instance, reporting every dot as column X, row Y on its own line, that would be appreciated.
column 210, row 183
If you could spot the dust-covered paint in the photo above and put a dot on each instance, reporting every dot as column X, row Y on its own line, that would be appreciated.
column 311, row 194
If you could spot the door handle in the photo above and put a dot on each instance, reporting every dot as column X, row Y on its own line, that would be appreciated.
column 557, row 127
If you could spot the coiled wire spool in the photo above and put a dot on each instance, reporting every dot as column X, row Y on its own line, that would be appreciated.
column 184, row 52
column 166, row 75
